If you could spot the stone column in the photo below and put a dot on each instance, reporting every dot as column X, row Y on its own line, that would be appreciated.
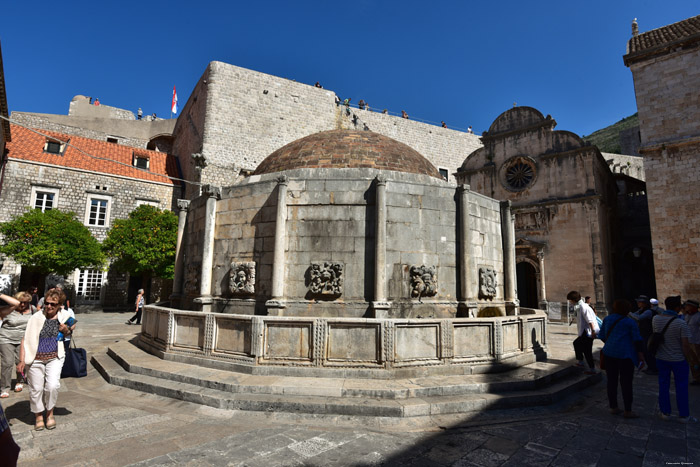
column 543, row 290
column 380, row 305
column 509, row 278
column 212, row 193
column 467, row 302
column 183, row 205
column 275, row 305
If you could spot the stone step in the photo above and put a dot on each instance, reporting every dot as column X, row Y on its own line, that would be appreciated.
column 315, row 401
column 530, row 377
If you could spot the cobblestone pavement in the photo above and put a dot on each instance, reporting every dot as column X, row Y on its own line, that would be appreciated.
column 99, row 424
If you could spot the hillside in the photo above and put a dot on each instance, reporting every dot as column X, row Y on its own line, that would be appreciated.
column 608, row 139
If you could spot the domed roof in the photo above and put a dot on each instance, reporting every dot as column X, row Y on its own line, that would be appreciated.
column 340, row 149
column 518, row 118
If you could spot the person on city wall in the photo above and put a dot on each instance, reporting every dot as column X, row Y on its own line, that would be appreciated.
column 11, row 333
column 671, row 358
column 622, row 352
column 42, row 356
column 587, row 330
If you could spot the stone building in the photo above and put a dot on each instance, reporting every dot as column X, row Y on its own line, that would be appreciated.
column 665, row 65
column 41, row 171
column 563, row 196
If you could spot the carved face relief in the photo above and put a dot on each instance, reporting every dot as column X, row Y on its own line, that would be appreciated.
column 487, row 283
column 326, row 279
column 423, row 281
column 242, row 279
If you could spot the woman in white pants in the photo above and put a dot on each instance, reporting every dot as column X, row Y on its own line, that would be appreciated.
column 43, row 356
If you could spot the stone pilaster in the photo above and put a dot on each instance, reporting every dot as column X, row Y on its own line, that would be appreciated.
column 380, row 305
column 508, row 236
column 275, row 305
column 543, row 289
column 212, row 194
column 183, row 206
column 467, row 302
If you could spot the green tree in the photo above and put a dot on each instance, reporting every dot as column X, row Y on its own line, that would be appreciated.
column 143, row 244
column 50, row 242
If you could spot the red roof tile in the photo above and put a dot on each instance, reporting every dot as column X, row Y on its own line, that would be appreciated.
column 29, row 146
column 657, row 40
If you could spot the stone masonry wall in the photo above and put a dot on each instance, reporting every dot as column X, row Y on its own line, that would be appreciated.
column 237, row 117
column 666, row 89
column 674, row 209
column 628, row 165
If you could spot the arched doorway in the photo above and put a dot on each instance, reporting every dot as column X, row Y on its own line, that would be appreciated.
column 527, row 284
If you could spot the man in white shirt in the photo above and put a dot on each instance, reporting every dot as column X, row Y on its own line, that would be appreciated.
column 587, row 330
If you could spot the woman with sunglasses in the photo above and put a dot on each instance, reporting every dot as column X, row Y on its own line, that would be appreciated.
column 43, row 357
column 11, row 333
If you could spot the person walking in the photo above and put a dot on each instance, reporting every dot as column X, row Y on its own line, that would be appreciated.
column 691, row 310
column 671, row 358
column 644, row 316
column 587, row 329
column 11, row 334
column 42, row 357
column 622, row 351
column 140, row 302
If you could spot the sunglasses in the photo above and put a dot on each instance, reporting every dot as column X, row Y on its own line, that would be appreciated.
column 50, row 304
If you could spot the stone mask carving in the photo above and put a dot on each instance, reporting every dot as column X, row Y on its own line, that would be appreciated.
column 326, row 279
column 242, row 279
column 487, row 283
column 423, row 281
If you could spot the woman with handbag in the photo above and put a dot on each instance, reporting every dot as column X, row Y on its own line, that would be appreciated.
column 43, row 355
column 11, row 333
column 622, row 351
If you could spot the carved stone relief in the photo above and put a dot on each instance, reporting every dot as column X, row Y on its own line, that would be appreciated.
column 192, row 279
column 326, row 279
column 423, row 281
column 532, row 220
column 242, row 279
column 487, row 283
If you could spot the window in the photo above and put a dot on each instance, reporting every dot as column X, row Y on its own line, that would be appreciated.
column 54, row 147
column 112, row 140
column 141, row 162
column 518, row 173
column 44, row 198
column 89, row 284
column 444, row 173
column 97, row 211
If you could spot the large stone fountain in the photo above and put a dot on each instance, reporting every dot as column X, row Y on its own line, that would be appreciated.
column 346, row 253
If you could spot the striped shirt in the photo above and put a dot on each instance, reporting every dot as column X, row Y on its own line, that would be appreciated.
column 671, row 350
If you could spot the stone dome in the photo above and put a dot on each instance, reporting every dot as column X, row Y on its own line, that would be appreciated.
column 341, row 149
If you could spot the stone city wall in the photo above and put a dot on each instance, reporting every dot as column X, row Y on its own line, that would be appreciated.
column 627, row 165
column 237, row 117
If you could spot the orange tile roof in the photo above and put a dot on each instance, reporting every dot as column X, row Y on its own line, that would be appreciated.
column 29, row 146
column 658, row 40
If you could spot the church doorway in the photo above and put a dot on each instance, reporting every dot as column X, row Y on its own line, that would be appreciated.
column 527, row 284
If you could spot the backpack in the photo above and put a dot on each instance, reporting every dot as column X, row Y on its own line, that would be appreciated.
column 656, row 339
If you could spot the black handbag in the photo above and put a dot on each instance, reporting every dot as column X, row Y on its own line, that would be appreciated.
column 75, row 363
column 656, row 339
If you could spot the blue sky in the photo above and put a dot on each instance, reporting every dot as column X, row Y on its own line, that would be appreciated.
column 462, row 62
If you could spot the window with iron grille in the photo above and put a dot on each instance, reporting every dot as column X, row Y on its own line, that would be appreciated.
column 90, row 284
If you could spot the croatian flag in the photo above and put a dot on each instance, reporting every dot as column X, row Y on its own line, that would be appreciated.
column 173, row 108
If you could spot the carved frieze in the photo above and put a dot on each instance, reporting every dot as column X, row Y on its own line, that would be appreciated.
column 242, row 278
column 532, row 220
column 488, row 283
column 326, row 279
column 423, row 281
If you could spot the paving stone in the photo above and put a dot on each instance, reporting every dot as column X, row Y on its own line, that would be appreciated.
column 501, row 445
column 576, row 458
column 655, row 458
column 626, row 444
column 485, row 457
column 525, row 457
column 618, row 459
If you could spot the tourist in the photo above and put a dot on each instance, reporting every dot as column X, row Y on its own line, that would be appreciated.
column 622, row 351
column 97, row 101
column 469, row 130
column 139, row 114
column 140, row 302
column 11, row 332
column 318, row 85
column 361, row 104
column 671, row 358
column 643, row 316
column 153, row 116
column 691, row 310
column 444, row 125
column 385, row 111
column 655, row 308
column 337, row 100
column 9, row 451
column 587, row 329
column 588, row 302
column 43, row 358
column 404, row 114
